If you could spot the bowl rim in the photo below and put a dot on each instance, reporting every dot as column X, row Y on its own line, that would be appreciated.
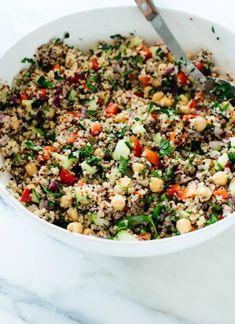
column 6, row 194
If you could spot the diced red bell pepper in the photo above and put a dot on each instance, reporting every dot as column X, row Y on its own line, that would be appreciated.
column 111, row 109
column 25, row 197
column 137, row 149
column 182, row 78
column 67, row 178
column 95, row 65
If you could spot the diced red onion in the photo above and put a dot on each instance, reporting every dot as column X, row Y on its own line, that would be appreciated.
column 2, row 118
column 56, row 100
column 169, row 70
column 53, row 186
column 3, row 140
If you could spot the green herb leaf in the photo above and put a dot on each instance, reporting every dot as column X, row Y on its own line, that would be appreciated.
column 42, row 82
column 231, row 157
column 213, row 29
column 123, row 164
column 27, row 60
column 165, row 148
column 150, row 107
column 32, row 146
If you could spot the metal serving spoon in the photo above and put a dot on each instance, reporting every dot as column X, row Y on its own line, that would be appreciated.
column 206, row 84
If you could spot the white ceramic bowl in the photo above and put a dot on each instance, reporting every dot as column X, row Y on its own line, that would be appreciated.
column 85, row 28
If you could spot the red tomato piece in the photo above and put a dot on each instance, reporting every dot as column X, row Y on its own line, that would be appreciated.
column 152, row 157
column 23, row 96
column 25, row 197
column 96, row 129
column 175, row 190
column 95, row 65
column 137, row 149
column 200, row 66
column 187, row 117
column 67, row 178
column 41, row 93
column 144, row 80
column 111, row 109
column 182, row 78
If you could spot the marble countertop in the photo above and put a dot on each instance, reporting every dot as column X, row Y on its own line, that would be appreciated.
column 44, row 281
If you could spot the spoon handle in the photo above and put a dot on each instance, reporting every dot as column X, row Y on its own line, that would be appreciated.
column 147, row 8
column 150, row 12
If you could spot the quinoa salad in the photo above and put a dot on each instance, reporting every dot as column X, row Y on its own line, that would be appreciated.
column 117, row 141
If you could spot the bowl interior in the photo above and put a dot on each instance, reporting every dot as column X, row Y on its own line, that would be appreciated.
column 85, row 29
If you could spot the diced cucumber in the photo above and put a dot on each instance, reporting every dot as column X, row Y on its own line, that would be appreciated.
column 65, row 161
column 27, row 103
column 88, row 168
column 232, row 187
column 135, row 41
column 81, row 197
column 72, row 95
column 121, row 149
column 95, row 219
column 182, row 214
column 157, row 138
column 126, row 235
column 35, row 197
column 92, row 103
column 138, row 129
column 232, row 141
column 223, row 160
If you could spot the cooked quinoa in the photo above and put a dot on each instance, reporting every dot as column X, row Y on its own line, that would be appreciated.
column 118, row 142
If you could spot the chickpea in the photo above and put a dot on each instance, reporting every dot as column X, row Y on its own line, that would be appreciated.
column 118, row 202
column 183, row 99
column 99, row 153
column 198, row 123
column 31, row 168
column 156, row 185
column 157, row 96
column 204, row 193
column 166, row 102
column 137, row 168
column 51, row 112
column 15, row 123
column 183, row 225
column 161, row 68
column 66, row 201
column 122, row 117
column 75, row 227
column 88, row 231
column 220, row 178
column 156, row 82
column 233, row 117
column 124, row 182
column 146, row 91
column 185, row 109
column 72, row 214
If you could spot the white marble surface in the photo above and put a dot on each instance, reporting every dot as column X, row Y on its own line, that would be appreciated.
column 44, row 281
